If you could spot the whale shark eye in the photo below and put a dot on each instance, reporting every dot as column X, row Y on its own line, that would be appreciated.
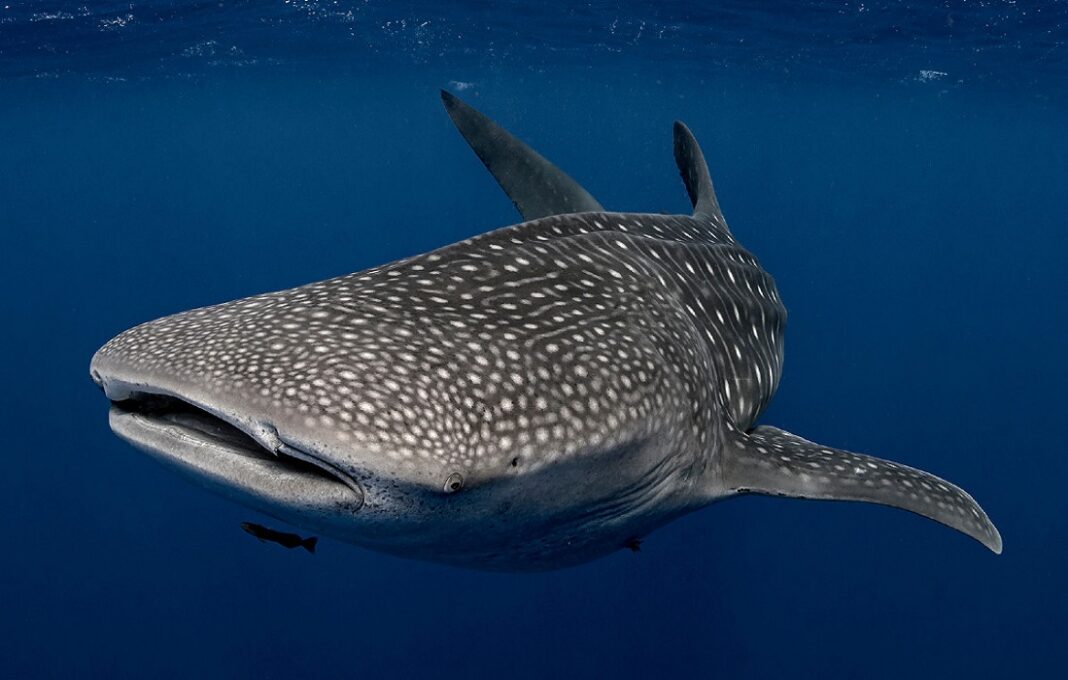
column 454, row 483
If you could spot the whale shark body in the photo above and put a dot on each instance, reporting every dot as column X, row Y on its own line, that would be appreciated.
column 530, row 398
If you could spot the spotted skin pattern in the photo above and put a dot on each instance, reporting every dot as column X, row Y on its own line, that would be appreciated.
column 555, row 335
column 787, row 465
column 529, row 398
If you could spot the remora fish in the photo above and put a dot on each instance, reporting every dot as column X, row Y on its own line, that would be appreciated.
column 530, row 398
column 280, row 537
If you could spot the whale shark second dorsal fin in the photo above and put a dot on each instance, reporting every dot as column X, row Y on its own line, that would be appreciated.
column 537, row 187
column 694, row 173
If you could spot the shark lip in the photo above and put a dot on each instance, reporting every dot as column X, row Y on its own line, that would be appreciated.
column 187, row 420
column 255, row 463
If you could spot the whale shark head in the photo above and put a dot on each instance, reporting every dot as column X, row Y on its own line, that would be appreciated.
column 462, row 405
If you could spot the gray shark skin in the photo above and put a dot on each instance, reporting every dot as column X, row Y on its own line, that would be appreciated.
column 530, row 398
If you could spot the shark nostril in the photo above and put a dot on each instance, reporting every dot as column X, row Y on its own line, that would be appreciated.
column 454, row 482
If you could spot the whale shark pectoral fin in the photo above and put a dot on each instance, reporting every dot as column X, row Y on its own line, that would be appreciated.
column 772, row 461
column 537, row 187
column 694, row 171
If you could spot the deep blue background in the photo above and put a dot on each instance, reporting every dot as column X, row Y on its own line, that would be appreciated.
column 917, row 233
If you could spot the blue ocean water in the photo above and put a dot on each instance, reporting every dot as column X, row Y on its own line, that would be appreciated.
column 899, row 167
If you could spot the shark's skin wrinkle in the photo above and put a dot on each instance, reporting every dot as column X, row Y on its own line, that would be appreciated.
column 529, row 398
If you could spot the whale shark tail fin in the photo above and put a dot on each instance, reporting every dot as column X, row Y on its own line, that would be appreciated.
column 537, row 187
column 771, row 461
column 694, row 171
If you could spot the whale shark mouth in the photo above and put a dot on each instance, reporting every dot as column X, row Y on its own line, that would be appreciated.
column 225, row 457
column 193, row 421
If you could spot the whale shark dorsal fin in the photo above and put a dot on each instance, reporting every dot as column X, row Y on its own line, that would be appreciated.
column 694, row 173
column 772, row 461
column 537, row 187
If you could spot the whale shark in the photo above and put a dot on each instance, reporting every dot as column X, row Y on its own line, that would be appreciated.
column 531, row 398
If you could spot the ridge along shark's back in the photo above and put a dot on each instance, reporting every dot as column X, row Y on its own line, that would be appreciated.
column 529, row 398
column 719, row 283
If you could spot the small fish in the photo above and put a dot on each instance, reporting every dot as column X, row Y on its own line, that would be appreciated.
column 280, row 537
